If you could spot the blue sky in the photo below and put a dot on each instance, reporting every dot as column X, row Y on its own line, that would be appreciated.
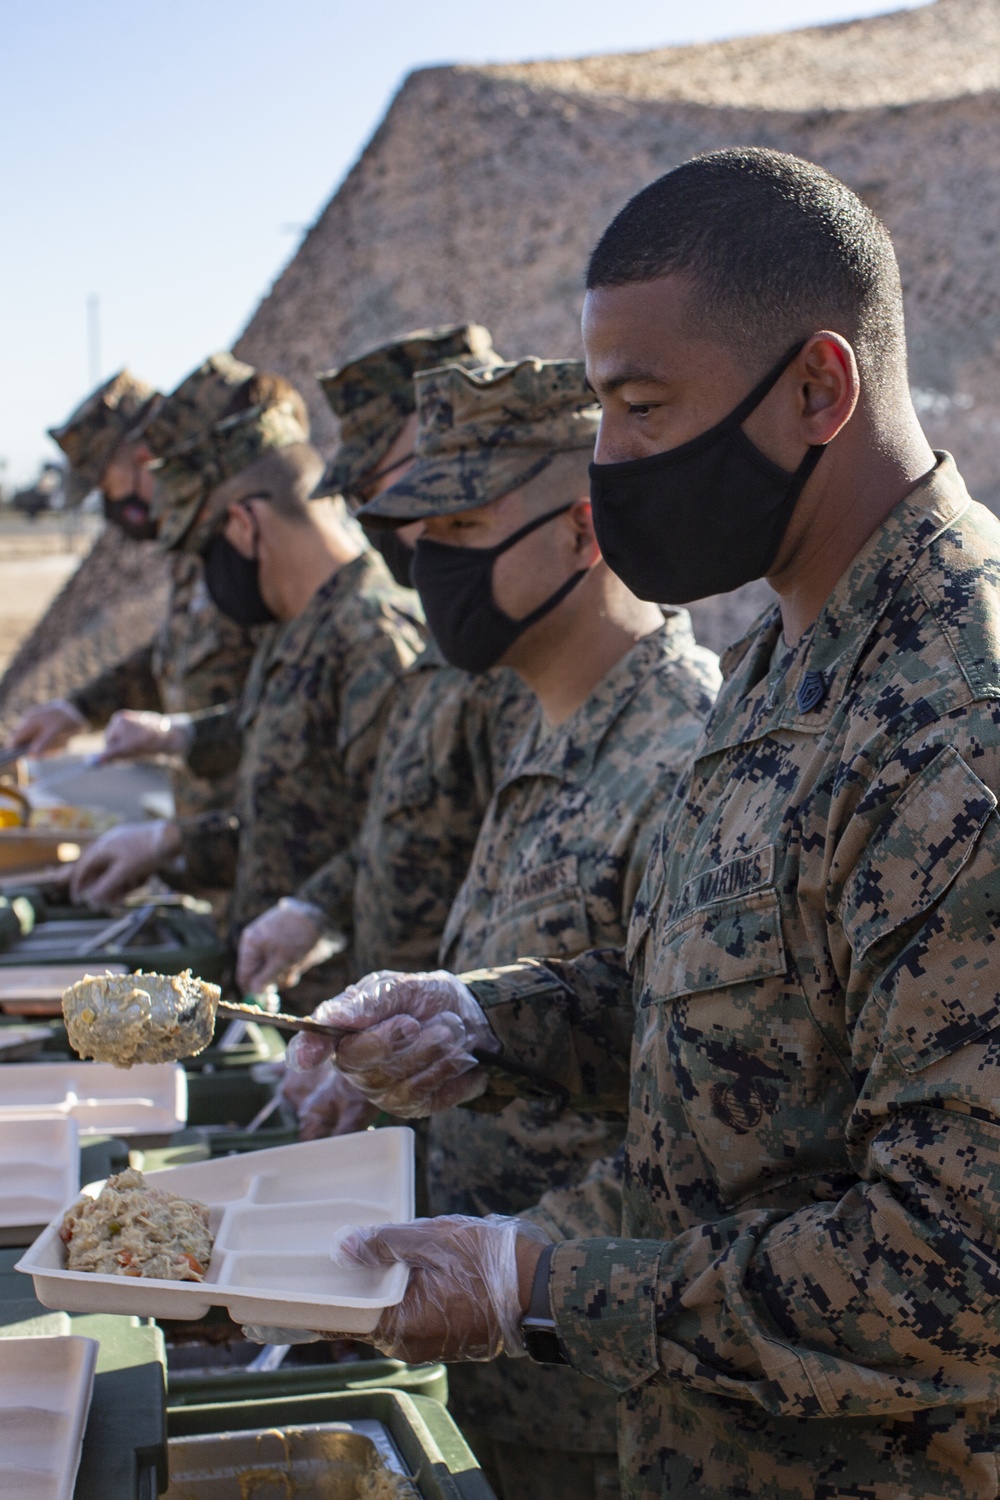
column 167, row 156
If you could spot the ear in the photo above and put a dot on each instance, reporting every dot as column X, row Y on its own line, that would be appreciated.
column 829, row 386
column 240, row 528
column 581, row 518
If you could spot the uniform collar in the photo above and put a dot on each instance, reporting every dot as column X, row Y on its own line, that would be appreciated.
column 751, row 704
column 296, row 634
column 570, row 751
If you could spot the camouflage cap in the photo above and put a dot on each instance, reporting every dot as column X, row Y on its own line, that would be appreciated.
column 90, row 436
column 372, row 395
column 484, row 433
column 197, row 403
column 187, row 479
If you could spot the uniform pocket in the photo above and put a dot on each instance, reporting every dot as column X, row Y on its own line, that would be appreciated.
column 917, row 852
column 718, row 947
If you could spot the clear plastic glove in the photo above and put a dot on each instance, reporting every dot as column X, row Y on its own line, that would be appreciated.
column 335, row 1107
column 259, row 1334
column 469, row 1288
column 120, row 860
column 417, row 1035
column 278, row 946
column 47, row 727
column 132, row 735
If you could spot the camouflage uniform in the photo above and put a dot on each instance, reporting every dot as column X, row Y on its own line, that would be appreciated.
column 309, row 723
column 307, row 728
column 805, row 1300
column 447, row 738
column 556, row 865
column 447, row 735
column 199, row 658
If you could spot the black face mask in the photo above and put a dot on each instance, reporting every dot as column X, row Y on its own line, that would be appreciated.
column 398, row 557
column 455, row 585
column 702, row 518
column 233, row 582
column 131, row 515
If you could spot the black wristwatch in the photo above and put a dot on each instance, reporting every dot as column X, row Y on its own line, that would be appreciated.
column 538, row 1328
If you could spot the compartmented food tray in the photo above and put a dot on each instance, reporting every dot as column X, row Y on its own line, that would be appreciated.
column 39, row 1167
column 274, row 1215
column 45, row 1389
column 149, row 1099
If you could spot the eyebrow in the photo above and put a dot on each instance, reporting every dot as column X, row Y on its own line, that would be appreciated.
column 629, row 377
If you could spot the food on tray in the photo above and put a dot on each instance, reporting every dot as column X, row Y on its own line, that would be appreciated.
column 73, row 819
column 381, row 1484
column 132, row 1229
column 140, row 1018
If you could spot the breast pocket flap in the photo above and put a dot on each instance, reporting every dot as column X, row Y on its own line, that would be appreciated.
column 718, row 947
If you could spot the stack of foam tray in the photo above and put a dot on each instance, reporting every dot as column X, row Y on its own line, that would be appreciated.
column 46, row 1384
column 149, row 1099
column 124, row 1454
column 39, row 1172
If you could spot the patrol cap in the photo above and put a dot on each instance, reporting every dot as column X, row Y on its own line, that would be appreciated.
column 186, row 480
column 372, row 395
column 484, row 433
column 197, row 403
column 94, row 431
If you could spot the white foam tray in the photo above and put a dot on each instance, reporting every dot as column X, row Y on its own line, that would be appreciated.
column 274, row 1215
column 39, row 1168
column 46, row 1385
column 149, row 1099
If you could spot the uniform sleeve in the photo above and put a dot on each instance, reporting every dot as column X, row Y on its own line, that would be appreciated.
column 587, row 1208
column 217, row 742
column 209, row 847
column 886, row 1300
column 568, row 1020
column 331, row 888
column 128, row 684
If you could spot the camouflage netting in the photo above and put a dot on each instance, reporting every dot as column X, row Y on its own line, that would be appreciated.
column 112, row 604
column 484, row 188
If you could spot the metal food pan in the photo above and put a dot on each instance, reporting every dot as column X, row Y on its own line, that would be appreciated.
column 321, row 1461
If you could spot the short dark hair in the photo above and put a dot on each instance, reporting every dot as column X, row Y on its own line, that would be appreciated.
column 778, row 248
column 268, row 388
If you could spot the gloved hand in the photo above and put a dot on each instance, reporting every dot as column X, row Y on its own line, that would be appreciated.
column 279, row 945
column 413, row 1053
column 122, row 859
column 469, row 1288
column 47, row 727
column 131, row 735
column 335, row 1107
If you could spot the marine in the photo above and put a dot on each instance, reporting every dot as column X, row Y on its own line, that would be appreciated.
column 447, row 736
column 804, row 1298
column 311, row 715
column 198, row 658
column 500, row 483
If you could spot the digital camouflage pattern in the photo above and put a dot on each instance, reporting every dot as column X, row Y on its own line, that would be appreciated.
column 559, row 858
column 447, row 737
column 187, row 479
column 310, row 721
column 485, row 433
column 806, row 1299
column 198, row 659
column 196, row 404
column 92, row 433
column 372, row 396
